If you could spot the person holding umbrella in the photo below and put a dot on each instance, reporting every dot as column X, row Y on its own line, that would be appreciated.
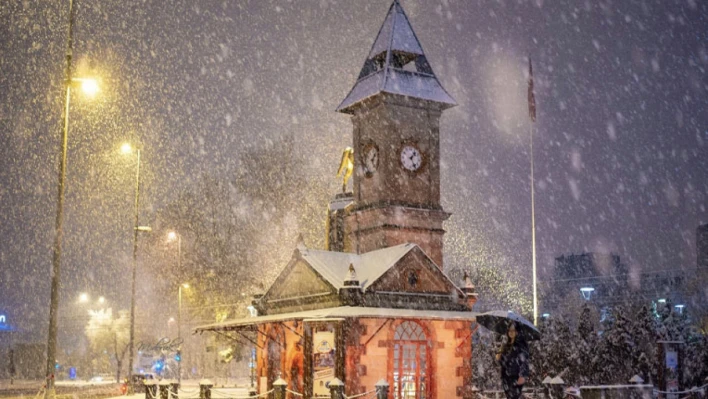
column 514, row 360
column 514, row 354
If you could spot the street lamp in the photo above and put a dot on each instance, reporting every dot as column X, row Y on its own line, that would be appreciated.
column 179, row 330
column 89, row 86
column 58, row 229
column 128, row 149
column 587, row 292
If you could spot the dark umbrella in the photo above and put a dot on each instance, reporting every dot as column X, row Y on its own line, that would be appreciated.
column 498, row 321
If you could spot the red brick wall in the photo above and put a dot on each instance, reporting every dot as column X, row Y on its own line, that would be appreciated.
column 371, row 229
column 450, row 354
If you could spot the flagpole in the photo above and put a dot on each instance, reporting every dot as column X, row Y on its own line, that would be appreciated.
column 533, row 232
column 532, row 116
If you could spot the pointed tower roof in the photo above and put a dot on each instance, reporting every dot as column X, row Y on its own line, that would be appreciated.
column 396, row 64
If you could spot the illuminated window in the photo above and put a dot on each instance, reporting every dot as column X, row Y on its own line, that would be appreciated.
column 410, row 362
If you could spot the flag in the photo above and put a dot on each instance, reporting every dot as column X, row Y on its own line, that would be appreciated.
column 532, row 98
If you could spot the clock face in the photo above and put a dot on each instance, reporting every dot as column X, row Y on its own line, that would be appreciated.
column 411, row 158
column 371, row 159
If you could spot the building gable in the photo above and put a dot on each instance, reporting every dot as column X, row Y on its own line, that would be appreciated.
column 415, row 273
column 297, row 281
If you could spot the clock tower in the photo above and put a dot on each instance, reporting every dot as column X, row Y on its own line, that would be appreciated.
column 395, row 107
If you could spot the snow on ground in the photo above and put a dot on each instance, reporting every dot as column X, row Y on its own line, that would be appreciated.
column 190, row 389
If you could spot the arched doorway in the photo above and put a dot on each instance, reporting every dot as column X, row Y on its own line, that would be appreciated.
column 411, row 374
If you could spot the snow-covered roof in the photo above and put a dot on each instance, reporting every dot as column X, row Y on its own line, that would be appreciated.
column 396, row 44
column 340, row 312
column 396, row 33
column 334, row 266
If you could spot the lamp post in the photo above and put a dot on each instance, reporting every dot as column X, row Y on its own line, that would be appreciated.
column 179, row 330
column 128, row 149
column 90, row 87
column 172, row 236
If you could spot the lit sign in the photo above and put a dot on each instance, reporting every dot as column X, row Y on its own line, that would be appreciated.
column 3, row 324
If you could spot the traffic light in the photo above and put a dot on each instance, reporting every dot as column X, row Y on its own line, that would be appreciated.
column 178, row 356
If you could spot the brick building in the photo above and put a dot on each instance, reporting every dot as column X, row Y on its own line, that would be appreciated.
column 376, row 303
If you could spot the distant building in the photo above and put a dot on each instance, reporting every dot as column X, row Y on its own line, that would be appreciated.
column 702, row 246
column 607, row 282
column 602, row 278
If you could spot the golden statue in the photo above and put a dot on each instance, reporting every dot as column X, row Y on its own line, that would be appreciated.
column 346, row 167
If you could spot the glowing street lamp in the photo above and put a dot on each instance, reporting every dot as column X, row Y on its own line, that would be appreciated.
column 83, row 297
column 88, row 85
column 126, row 148
column 587, row 292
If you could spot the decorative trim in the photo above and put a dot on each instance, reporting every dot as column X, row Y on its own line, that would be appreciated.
column 390, row 203
column 399, row 227
column 299, row 298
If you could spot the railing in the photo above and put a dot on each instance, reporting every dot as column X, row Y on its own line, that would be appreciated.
column 280, row 391
column 171, row 390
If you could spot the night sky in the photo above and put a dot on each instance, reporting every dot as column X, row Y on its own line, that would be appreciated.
column 621, row 140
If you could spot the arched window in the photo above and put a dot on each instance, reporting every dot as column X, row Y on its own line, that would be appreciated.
column 410, row 362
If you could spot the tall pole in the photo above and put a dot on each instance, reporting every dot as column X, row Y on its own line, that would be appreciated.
column 532, row 116
column 533, row 234
column 179, row 333
column 50, row 393
column 179, row 256
column 131, row 352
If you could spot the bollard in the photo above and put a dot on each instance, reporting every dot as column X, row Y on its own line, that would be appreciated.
column 174, row 388
column 205, row 389
column 336, row 389
column 556, row 386
column 150, row 389
column 381, row 389
column 164, row 389
column 474, row 392
column 279, row 388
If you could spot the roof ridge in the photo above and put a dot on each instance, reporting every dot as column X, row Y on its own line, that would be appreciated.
column 387, row 64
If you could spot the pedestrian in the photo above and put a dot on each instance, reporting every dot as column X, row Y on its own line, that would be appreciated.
column 514, row 359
